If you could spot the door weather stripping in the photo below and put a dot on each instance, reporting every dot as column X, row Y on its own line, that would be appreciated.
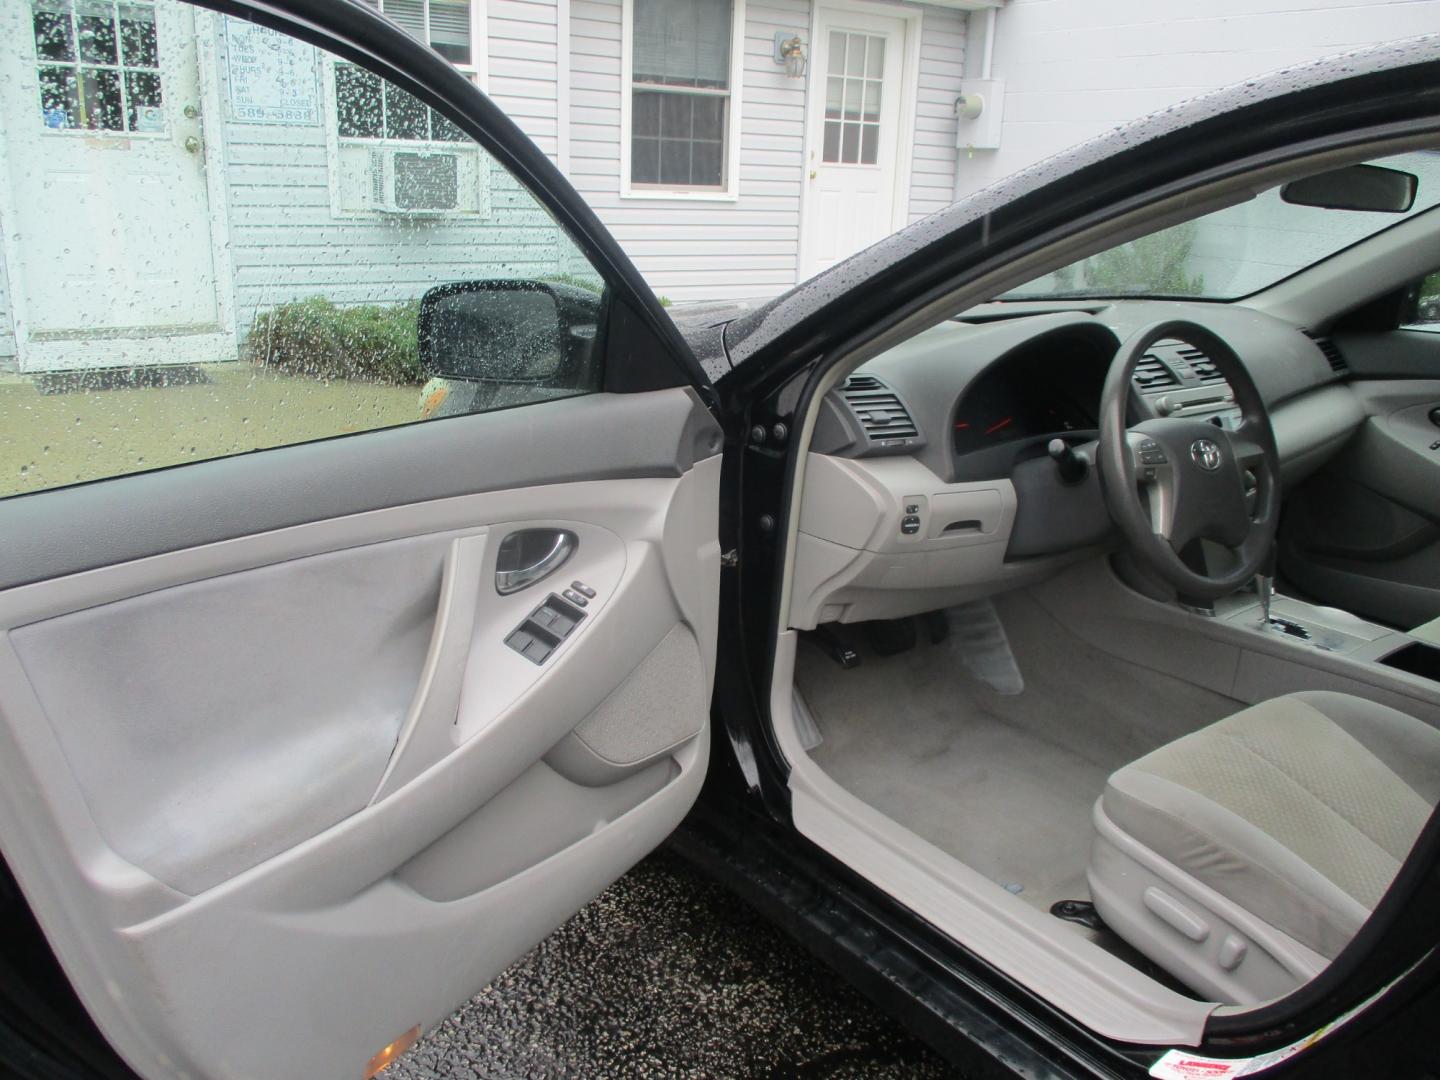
column 428, row 733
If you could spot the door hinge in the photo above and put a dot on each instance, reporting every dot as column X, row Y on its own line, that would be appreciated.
column 730, row 558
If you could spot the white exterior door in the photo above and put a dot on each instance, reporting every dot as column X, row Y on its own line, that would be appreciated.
column 852, row 135
column 109, row 256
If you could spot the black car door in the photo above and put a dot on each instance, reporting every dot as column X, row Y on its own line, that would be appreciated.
column 313, row 714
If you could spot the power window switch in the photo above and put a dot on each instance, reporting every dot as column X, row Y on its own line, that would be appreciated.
column 531, row 646
column 1435, row 445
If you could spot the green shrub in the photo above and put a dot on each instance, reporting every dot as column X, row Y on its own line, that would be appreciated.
column 321, row 340
column 589, row 284
column 1153, row 264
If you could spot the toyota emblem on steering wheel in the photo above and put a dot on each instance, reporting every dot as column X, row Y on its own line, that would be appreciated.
column 1205, row 454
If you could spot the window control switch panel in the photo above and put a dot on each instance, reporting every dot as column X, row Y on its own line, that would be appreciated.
column 544, row 629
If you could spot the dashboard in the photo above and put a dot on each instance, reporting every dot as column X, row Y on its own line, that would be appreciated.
column 928, row 480
column 1046, row 388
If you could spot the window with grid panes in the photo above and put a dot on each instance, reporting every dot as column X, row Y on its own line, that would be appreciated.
column 370, row 108
column 853, row 85
column 99, row 65
column 680, row 93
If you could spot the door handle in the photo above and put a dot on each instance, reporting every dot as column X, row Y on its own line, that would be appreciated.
column 529, row 555
column 427, row 732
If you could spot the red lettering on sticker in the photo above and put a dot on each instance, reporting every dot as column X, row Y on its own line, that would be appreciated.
column 1203, row 1068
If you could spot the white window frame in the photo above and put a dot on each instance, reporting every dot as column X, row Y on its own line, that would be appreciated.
column 731, row 191
column 477, row 71
column 119, row 67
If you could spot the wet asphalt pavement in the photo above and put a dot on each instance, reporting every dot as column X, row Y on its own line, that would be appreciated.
column 666, row 974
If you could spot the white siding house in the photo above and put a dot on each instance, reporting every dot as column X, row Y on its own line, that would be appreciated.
column 746, row 239
column 241, row 172
column 1072, row 69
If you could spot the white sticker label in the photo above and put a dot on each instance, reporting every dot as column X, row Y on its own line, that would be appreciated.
column 1183, row 1065
column 1180, row 1065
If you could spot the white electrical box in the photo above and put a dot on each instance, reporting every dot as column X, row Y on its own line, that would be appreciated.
column 979, row 113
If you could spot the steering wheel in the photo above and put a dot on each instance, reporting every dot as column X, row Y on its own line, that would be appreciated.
column 1171, row 481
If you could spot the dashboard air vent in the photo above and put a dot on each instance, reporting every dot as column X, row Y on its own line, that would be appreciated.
column 1152, row 374
column 1201, row 365
column 879, row 410
column 1331, row 351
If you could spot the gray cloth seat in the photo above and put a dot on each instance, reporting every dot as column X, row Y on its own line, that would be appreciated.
column 1246, row 855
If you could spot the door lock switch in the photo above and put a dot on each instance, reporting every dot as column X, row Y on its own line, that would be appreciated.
column 583, row 589
column 575, row 598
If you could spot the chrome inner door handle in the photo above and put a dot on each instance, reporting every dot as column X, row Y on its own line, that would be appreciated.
column 529, row 555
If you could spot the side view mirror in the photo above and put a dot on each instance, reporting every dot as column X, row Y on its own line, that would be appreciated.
column 1355, row 187
column 531, row 334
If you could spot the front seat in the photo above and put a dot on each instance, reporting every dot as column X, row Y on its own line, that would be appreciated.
column 1243, row 857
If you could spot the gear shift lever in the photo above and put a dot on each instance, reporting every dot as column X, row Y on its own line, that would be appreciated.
column 1265, row 588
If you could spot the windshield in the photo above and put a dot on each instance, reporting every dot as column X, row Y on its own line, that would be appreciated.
column 1235, row 251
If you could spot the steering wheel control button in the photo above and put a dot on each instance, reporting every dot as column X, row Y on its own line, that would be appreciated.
column 1153, row 457
column 583, row 589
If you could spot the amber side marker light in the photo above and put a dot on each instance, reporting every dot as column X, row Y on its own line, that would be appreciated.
column 381, row 1061
column 432, row 396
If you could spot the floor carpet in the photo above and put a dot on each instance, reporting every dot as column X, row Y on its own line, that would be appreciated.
column 1004, row 782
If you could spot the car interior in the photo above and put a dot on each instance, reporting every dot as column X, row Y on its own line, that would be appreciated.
column 1109, row 628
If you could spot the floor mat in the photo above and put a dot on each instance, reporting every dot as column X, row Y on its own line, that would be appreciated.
column 130, row 378
column 1002, row 781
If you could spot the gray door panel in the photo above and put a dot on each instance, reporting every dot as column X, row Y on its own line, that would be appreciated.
column 1364, row 532
column 282, row 794
column 579, row 438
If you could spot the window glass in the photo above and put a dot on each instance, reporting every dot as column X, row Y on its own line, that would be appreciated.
column 97, row 66
column 683, row 42
column 366, row 108
column 318, row 254
column 853, row 86
column 681, row 94
column 442, row 24
column 1237, row 250
column 1426, row 312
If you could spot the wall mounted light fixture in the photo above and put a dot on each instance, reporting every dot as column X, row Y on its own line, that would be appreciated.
column 790, row 51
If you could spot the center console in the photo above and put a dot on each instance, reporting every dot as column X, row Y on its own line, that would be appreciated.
column 1331, row 630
